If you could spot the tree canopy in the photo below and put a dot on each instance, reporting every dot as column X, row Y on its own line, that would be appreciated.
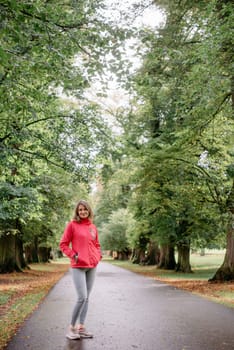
column 179, row 132
column 50, row 52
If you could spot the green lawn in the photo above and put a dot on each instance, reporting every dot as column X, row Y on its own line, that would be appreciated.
column 203, row 267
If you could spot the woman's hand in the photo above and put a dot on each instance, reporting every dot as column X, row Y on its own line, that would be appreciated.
column 75, row 257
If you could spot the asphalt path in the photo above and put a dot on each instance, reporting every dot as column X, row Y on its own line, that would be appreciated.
column 126, row 312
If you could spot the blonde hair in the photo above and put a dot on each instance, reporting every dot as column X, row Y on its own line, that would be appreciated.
column 87, row 206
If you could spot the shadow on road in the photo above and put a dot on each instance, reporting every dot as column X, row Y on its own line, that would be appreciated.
column 75, row 345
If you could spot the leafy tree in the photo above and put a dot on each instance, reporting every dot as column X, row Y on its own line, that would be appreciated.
column 44, row 56
column 59, row 192
column 113, row 190
column 114, row 233
column 183, row 112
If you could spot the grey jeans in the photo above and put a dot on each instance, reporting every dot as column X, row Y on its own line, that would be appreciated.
column 83, row 280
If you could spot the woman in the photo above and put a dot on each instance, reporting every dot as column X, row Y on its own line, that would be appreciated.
column 80, row 243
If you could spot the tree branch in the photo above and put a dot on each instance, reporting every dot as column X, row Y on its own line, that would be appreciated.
column 62, row 26
column 214, row 194
column 226, row 96
column 38, row 121
column 38, row 155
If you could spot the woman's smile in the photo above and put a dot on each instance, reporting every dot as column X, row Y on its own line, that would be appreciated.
column 83, row 212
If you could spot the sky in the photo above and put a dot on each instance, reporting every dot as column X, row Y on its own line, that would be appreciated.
column 151, row 17
column 147, row 15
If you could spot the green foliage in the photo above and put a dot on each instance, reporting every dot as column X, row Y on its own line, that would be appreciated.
column 47, row 54
column 49, row 133
column 114, row 233
column 114, row 193
column 18, row 201
column 179, row 130
column 59, row 193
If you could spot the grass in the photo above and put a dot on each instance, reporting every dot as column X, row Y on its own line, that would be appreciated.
column 203, row 267
column 4, row 298
column 17, row 313
column 21, row 293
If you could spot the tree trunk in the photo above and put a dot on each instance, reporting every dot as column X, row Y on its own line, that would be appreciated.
column 44, row 254
column 59, row 254
column 226, row 270
column 153, row 254
column 123, row 255
column 183, row 264
column 202, row 252
column 138, row 256
column 11, row 253
column 30, row 252
column 167, row 257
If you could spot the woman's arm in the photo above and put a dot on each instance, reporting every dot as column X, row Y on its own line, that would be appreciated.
column 66, row 240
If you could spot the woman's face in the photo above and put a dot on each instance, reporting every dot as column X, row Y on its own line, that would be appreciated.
column 83, row 212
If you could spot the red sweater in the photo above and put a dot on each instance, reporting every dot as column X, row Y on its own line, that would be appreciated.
column 81, row 238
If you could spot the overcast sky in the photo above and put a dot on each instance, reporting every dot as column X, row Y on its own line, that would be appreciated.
column 149, row 16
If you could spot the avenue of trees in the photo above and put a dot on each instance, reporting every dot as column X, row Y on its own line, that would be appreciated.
column 173, row 171
column 165, row 180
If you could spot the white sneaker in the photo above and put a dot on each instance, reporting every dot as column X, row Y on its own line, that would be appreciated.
column 85, row 334
column 73, row 334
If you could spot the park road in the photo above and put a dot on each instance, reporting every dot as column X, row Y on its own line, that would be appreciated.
column 127, row 312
